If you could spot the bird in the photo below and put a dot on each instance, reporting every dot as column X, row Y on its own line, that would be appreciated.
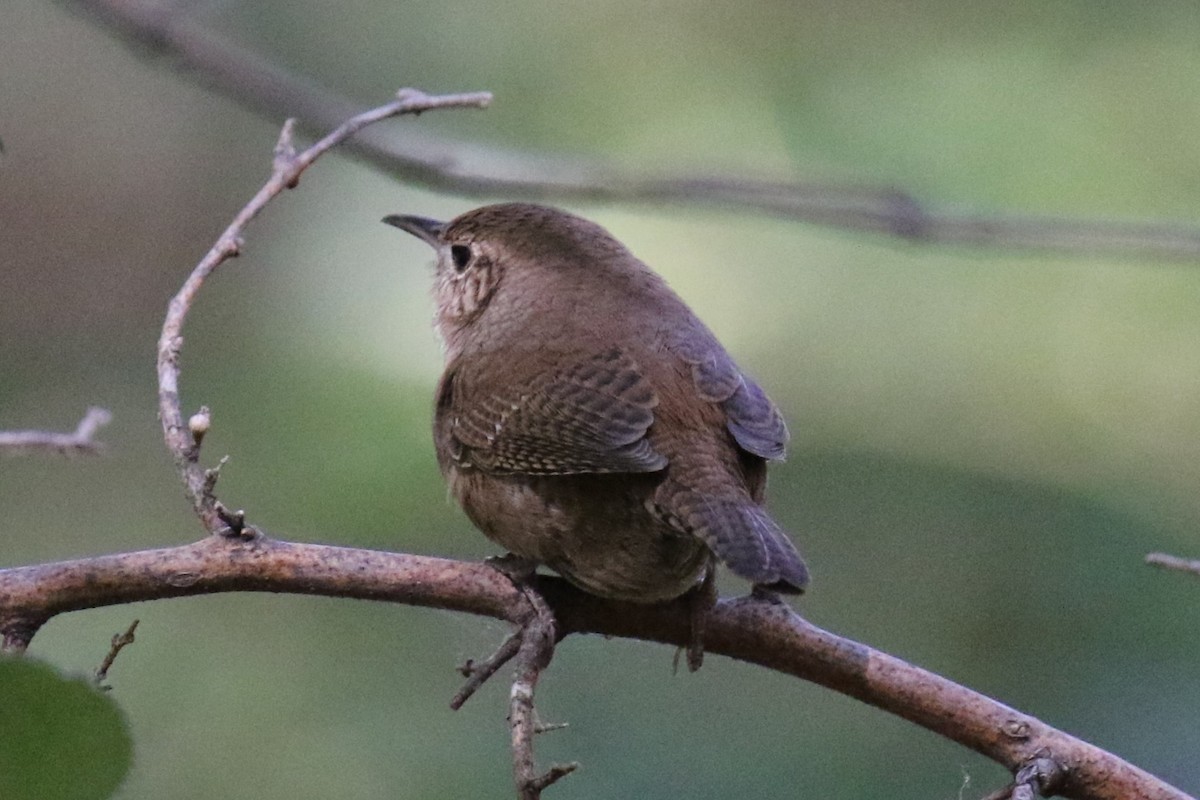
column 588, row 421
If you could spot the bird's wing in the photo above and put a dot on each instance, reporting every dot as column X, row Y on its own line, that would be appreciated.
column 588, row 417
column 755, row 422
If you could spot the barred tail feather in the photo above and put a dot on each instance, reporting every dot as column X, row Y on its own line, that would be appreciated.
column 745, row 538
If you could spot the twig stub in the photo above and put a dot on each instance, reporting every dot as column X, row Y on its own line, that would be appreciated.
column 119, row 642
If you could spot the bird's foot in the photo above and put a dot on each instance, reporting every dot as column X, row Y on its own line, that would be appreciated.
column 763, row 594
column 700, row 599
column 518, row 569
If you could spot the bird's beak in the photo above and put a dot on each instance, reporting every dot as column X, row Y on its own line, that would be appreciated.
column 425, row 229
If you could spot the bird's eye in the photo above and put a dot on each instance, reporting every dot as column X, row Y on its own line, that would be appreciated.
column 460, row 254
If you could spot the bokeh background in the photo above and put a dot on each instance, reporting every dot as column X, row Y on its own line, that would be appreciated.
column 985, row 443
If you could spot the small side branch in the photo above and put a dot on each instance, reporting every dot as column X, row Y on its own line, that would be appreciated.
column 81, row 440
column 477, row 674
column 119, row 642
column 1176, row 563
column 533, row 656
column 17, row 630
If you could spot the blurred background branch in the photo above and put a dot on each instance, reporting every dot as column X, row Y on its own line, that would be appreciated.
column 165, row 30
column 1167, row 561
column 80, row 440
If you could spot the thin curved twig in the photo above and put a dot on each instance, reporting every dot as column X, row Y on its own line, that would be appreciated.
column 183, row 441
column 81, row 440
column 477, row 171
column 771, row 636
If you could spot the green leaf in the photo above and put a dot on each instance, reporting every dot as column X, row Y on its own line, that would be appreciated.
column 60, row 738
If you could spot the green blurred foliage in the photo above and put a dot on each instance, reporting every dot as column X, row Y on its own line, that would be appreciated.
column 985, row 444
column 63, row 739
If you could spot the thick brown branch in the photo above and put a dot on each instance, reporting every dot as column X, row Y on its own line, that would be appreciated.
column 81, row 440
column 472, row 170
column 760, row 633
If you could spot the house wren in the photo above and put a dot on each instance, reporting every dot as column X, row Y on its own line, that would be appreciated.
column 587, row 420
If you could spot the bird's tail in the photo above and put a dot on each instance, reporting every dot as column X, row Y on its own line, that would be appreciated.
column 745, row 538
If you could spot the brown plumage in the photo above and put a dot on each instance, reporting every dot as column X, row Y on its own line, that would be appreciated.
column 587, row 420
